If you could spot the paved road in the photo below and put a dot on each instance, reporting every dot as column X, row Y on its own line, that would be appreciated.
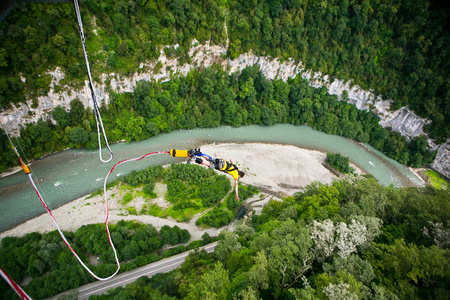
column 162, row 266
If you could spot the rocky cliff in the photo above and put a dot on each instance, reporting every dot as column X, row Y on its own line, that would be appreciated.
column 403, row 120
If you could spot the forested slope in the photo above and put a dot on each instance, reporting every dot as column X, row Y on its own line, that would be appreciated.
column 352, row 239
column 400, row 49
column 397, row 48
column 209, row 98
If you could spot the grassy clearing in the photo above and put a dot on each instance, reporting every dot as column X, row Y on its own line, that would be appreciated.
column 127, row 198
column 437, row 181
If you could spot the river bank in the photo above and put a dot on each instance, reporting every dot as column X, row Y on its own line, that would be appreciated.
column 275, row 169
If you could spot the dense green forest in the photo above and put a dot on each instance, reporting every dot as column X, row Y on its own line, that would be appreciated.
column 352, row 239
column 209, row 98
column 53, row 268
column 397, row 48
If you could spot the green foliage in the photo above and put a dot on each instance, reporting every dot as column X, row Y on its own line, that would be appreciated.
column 272, row 258
column 174, row 235
column 209, row 98
column 217, row 217
column 399, row 53
column 226, row 212
column 401, row 267
column 127, row 198
column 396, row 52
column 277, row 257
column 142, row 288
column 190, row 189
column 339, row 162
column 54, row 269
column 148, row 190
column 437, row 181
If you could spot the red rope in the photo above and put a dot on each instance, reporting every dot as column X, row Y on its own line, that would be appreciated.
column 14, row 286
column 107, row 215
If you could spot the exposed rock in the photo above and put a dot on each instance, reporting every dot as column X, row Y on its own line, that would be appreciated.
column 402, row 120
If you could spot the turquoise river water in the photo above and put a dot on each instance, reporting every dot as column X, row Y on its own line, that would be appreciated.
column 68, row 175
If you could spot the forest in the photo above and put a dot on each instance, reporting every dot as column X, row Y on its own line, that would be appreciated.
column 351, row 239
column 210, row 98
column 53, row 269
column 190, row 189
column 397, row 48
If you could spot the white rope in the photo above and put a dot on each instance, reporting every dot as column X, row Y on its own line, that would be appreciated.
column 67, row 242
column 98, row 117
column 19, row 291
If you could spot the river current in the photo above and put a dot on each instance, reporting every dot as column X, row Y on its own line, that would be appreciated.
column 68, row 175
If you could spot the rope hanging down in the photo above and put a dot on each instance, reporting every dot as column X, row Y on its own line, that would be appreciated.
column 29, row 173
column 96, row 110
column 21, row 293
column 25, row 168
column 64, row 237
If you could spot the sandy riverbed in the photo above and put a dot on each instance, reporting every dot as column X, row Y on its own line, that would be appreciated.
column 276, row 169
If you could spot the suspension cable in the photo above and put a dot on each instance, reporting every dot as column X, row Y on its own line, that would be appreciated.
column 27, row 171
column 96, row 110
column 21, row 293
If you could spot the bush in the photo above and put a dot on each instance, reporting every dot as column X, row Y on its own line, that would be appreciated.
column 174, row 235
column 339, row 162
column 148, row 190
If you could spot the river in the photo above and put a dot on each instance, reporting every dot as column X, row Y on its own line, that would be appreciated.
column 68, row 175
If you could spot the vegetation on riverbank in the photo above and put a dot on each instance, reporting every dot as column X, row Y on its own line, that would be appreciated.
column 53, row 269
column 339, row 162
column 190, row 189
column 399, row 49
column 227, row 211
column 437, row 181
column 352, row 239
column 210, row 98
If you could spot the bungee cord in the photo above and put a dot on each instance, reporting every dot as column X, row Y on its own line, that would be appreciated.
column 27, row 171
column 21, row 293
column 96, row 110
column 68, row 244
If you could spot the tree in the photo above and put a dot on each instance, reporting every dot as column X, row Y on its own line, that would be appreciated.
column 258, row 275
column 226, row 245
column 341, row 238
column 61, row 116
column 3, row 58
column 247, row 92
column 76, row 111
column 213, row 284
column 289, row 256
column 359, row 268
column 403, row 268
column 79, row 136
column 41, row 132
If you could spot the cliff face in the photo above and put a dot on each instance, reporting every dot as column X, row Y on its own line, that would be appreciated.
column 402, row 120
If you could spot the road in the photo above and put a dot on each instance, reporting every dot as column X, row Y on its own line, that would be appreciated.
column 161, row 266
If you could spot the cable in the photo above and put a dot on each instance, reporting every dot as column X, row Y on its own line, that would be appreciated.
column 67, row 243
column 21, row 293
column 30, row 176
column 96, row 110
